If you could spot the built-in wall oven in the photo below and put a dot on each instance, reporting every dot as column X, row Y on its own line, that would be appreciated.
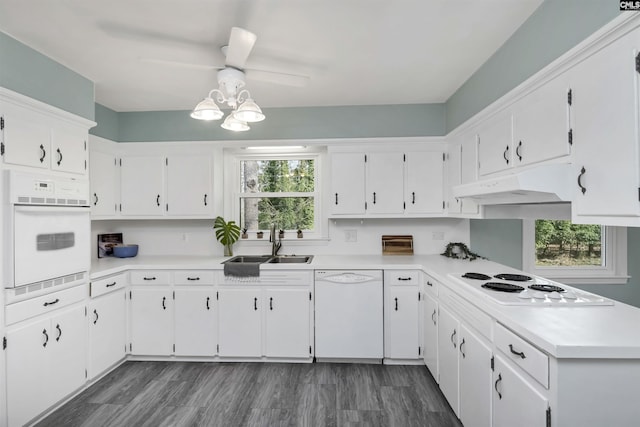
column 47, row 233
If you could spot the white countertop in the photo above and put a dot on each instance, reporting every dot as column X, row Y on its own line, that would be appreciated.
column 577, row 332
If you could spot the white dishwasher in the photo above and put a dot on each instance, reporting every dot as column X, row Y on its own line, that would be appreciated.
column 349, row 315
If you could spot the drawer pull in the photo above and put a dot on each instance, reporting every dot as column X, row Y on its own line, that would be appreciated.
column 57, row 300
column 59, row 332
column 193, row 278
column 396, row 303
column 433, row 317
column 43, row 152
column 453, row 336
column 164, row 305
column 404, row 278
column 270, row 303
column 149, row 278
column 208, row 308
column 96, row 319
column 517, row 353
column 46, row 337
column 111, row 284
column 495, row 386
column 462, row 350
column 255, row 303
column 429, row 284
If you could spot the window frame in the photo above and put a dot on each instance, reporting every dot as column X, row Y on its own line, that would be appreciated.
column 614, row 270
column 233, row 181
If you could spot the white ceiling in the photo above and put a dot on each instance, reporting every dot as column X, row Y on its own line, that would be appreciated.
column 356, row 52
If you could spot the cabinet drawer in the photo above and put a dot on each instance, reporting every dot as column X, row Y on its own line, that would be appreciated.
column 430, row 285
column 108, row 284
column 402, row 277
column 44, row 304
column 150, row 277
column 193, row 277
column 523, row 354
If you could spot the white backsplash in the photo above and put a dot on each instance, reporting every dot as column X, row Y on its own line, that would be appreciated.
column 196, row 237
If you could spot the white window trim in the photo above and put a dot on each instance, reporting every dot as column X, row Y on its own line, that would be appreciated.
column 232, row 176
column 614, row 271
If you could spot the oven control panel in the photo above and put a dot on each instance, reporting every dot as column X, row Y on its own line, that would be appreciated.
column 27, row 188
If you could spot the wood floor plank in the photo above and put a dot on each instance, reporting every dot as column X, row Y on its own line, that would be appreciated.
column 194, row 394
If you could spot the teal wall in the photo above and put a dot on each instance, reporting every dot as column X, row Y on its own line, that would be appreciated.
column 289, row 123
column 30, row 73
column 553, row 29
column 108, row 123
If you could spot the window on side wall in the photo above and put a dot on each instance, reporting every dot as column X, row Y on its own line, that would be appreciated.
column 575, row 253
column 280, row 190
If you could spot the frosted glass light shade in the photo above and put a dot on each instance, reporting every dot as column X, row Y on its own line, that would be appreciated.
column 249, row 111
column 231, row 123
column 207, row 110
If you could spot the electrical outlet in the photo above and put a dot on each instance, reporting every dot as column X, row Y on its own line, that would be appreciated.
column 437, row 235
column 350, row 235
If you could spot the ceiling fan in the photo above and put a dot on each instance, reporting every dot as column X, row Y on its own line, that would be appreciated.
column 231, row 81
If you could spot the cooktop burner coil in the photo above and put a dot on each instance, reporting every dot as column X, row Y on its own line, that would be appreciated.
column 513, row 277
column 476, row 276
column 502, row 287
column 546, row 288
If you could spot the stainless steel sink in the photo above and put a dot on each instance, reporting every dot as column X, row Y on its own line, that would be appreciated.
column 248, row 259
column 291, row 259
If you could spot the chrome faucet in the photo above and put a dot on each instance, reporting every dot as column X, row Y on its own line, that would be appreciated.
column 275, row 246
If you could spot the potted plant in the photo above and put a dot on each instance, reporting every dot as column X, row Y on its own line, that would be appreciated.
column 227, row 233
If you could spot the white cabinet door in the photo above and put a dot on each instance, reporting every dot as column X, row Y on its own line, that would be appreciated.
column 385, row 180
column 69, row 150
column 475, row 380
column 495, row 151
column 151, row 321
column 401, row 322
column 541, row 123
column 27, row 139
column 347, row 183
column 454, row 204
column 239, row 317
column 469, row 170
column 27, row 367
column 430, row 344
column 103, row 177
column 515, row 401
column 195, row 322
column 605, row 140
column 448, row 339
column 424, row 182
column 67, row 357
column 189, row 185
column 107, row 331
column 142, row 185
column 287, row 329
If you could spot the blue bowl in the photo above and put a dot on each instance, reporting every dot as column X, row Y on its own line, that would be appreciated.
column 125, row 251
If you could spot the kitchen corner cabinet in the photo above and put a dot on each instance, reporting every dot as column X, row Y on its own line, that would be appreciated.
column 45, row 361
column 196, row 325
column 40, row 136
column 463, row 169
column 151, row 317
column 605, row 136
column 430, row 325
column 402, row 315
column 104, row 180
column 387, row 184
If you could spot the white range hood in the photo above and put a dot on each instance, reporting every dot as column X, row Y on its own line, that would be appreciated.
column 539, row 184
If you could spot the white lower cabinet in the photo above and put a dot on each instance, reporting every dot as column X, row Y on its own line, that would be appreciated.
column 286, row 323
column 515, row 400
column 448, row 335
column 45, row 362
column 475, row 379
column 402, row 315
column 195, row 322
column 107, row 331
column 240, row 322
column 151, row 321
column 430, row 331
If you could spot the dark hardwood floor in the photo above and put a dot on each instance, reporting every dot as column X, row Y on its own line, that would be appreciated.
column 258, row 394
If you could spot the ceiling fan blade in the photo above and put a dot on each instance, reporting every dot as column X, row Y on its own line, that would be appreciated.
column 241, row 42
column 284, row 79
column 180, row 64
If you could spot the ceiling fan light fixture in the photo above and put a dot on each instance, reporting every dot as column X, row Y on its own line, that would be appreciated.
column 231, row 123
column 207, row 110
column 249, row 111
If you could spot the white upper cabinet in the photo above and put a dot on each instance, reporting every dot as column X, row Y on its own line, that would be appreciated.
column 189, row 185
column 424, row 182
column 541, row 123
column 347, row 183
column 463, row 169
column 142, row 185
column 495, row 150
column 104, row 179
column 37, row 135
column 385, row 183
column 605, row 137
